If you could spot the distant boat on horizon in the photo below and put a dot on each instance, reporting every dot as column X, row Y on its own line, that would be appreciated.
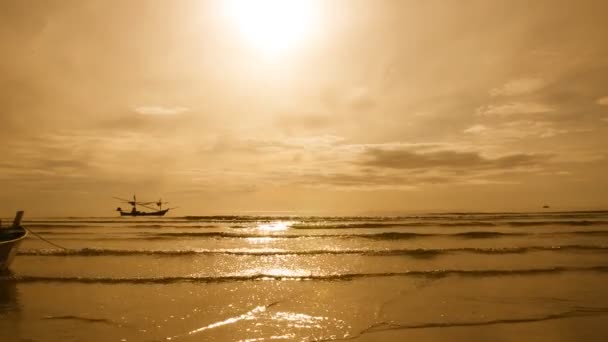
column 134, row 203
column 10, row 239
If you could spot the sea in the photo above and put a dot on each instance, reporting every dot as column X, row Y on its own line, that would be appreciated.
column 425, row 277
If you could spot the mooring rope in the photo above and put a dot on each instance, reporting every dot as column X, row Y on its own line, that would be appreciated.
column 45, row 240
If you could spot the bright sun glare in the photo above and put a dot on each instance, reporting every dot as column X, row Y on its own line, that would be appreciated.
column 272, row 26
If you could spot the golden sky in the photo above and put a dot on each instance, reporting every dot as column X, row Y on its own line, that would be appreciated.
column 303, row 107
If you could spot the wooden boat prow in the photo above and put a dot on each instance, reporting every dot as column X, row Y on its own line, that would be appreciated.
column 10, row 239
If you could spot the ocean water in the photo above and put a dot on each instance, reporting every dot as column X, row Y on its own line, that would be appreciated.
column 452, row 277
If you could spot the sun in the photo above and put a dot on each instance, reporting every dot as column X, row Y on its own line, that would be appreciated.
column 272, row 26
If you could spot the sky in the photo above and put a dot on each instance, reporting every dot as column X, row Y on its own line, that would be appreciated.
column 303, row 107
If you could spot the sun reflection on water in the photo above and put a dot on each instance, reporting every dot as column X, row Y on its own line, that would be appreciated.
column 285, row 319
column 259, row 240
column 277, row 226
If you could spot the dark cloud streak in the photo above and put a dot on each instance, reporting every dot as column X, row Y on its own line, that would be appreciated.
column 407, row 159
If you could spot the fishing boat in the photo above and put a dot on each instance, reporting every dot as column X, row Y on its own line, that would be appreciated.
column 134, row 212
column 10, row 239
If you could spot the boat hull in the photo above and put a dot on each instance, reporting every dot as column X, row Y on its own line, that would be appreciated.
column 141, row 213
column 10, row 239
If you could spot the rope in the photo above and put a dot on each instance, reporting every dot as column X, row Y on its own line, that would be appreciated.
column 45, row 240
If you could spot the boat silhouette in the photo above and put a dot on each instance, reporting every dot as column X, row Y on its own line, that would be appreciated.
column 134, row 203
column 10, row 239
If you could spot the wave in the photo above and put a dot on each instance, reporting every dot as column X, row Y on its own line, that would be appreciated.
column 172, row 226
column 484, row 235
column 421, row 216
column 326, row 277
column 557, row 223
column 416, row 252
column 77, row 226
column 61, row 225
column 278, row 236
column 390, row 225
column 578, row 312
column 100, row 221
column 587, row 232
column 325, row 222
column 372, row 236
column 384, row 236
column 561, row 216
column 400, row 236
column 82, row 319
column 320, row 225
column 376, row 236
column 447, row 224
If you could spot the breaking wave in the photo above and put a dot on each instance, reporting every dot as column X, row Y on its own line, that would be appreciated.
column 457, row 223
column 557, row 223
column 270, row 252
column 77, row 226
column 327, row 277
column 373, row 236
column 122, row 235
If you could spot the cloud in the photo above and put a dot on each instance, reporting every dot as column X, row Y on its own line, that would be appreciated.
column 332, row 163
column 527, row 128
column 403, row 166
column 242, row 165
column 514, row 108
column 475, row 129
column 160, row 110
column 406, row 158
column 361, row 98
column 59, row 160
column 359, row 181
column 520, row 129
column 307, row 121
column 229, row 144
column 520, row 86
column 603, row 101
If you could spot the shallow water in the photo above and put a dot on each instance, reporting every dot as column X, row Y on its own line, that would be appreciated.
column 232, row 278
